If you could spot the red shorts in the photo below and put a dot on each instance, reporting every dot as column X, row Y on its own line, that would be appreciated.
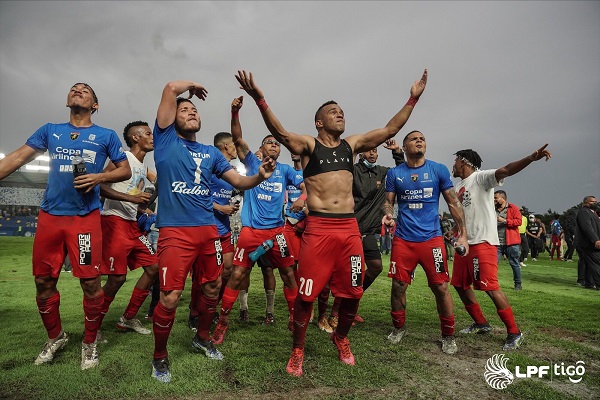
column 331, row 252
column 227, row 243
column 431, row 254
column 124, row 245
column 185, row 249
column 279, row 256
column 294, row 239
column 479, row 268
column 80, row 235
column 555, row 240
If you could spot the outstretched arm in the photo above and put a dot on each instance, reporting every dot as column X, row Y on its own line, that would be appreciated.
column 296, row 144
column 241, row 145
column 374, row 138
column 167, row 110
column 248, row 182
column 517, row 166
column 458, row 214
column 16, row 160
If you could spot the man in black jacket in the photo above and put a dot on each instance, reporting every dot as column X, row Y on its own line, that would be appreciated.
column 569, row 230
column 587, row 241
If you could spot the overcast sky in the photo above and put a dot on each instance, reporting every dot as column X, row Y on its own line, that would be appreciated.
column 504, row 77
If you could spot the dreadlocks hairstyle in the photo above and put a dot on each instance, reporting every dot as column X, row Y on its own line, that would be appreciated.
column 470, row 157
column 127, row 135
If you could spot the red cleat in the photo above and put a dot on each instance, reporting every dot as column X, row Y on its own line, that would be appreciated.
column 343, row 346
column 219, row 334
column 294, row 366
column 358, row 318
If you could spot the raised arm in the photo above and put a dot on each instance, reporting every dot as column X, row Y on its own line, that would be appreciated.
column 16, row 160
column 374, row 138
column 516, row 166
column 458, row 214
column 236, row 129
column 397, row 152
column 167, row 110
column 296, row 144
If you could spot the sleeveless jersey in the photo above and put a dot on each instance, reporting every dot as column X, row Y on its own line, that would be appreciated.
column 134, row 185
column 185, row 169
column 326, row 159
column 418, row 195
column 63, row 142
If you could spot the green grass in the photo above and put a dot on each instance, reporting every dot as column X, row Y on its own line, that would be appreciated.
column 560, row 320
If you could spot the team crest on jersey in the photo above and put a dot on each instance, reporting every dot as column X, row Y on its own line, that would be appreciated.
column 74, row 135
column 414, row 177
column 355, row 271
column 92, row 136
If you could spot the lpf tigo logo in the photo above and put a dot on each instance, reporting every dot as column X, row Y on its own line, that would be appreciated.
column 498, row 376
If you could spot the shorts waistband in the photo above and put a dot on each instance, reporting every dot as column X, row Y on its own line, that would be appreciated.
column 330, row 215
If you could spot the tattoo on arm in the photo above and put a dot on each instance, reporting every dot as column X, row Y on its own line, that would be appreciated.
column 456, row 209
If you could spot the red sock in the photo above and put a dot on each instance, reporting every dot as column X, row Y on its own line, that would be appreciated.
column 196, row 292
column 223, row 286
column 106, row 302
column 50, row 312
column 206, row 312
column 92, row 308
column 508, row 318
column 162, row 322
column 229, row 298
column 447, row 325
column 290, row 296
column 323, row 300
column 398, row 318
column 475, row 312
column 302, row 310
column 346, row 314
column 137, row 299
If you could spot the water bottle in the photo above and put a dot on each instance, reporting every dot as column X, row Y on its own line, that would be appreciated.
column 262, row 249
column 460, row 249
column 78, row 168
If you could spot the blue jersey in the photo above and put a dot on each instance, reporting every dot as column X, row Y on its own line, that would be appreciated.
column 293, row 193
column 263, row 204
column 221, row 194
column 63, row 142
column 185, row 169
column 418, row 193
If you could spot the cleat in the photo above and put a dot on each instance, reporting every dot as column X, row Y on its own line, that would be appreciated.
column 100, row 339
column 269, row 319
column 534, row 259
column 51, row 347
column 333, row 321
column 160, row 370
column 207, row 347
column 193, row 322
column 518, row 287
column 132, row 324
column 215, row 318
column 324, row 325
column 244, row 316
column 522, row 264
column 449, row 344
column 477, row 328
column 343, row 346
column 397, row 335
column 294, row 365
column 513, row 341
column 219, row 333
column 89, row 355
column 358, row 318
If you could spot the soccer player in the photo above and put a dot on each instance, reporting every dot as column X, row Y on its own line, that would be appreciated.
column 331, row 249
column 417, row 184
column 262, row 219
column 69, row 219
column 125, row 245
column 188, row 234
column 479, row 268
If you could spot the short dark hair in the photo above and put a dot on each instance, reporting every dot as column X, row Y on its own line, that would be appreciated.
column 127, row 135
column 91, row 90
column 408, row 134
column 220, row 138
column 501, row 193
column 330, row 102
column 471, row 156
column 183, row 99
column 265, row 138
column 587, row 198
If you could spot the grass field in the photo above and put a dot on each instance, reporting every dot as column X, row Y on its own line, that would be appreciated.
column 561, row 322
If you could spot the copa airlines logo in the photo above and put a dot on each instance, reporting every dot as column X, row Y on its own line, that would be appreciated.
column 498, row 376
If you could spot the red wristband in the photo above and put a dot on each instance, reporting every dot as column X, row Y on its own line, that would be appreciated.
column 412, row 101
column 302, row 197
column 235, row 114
column 262, row 104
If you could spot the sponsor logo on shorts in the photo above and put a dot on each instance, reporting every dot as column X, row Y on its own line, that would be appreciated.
column 85, row 248
column 355, row 271
column 146, row 242
column 219, row 250
column 283, row 247
column 476, row 269
column 438, row 260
